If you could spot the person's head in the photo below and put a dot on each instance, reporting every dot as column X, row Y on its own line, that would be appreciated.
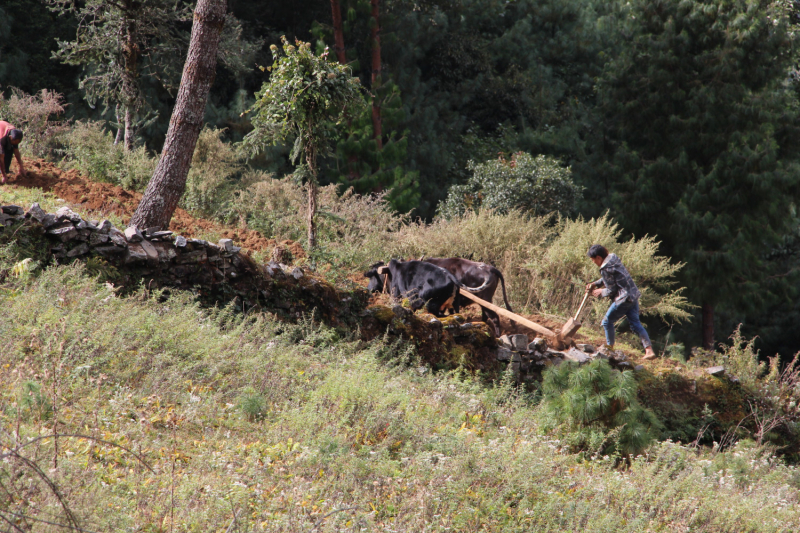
column 15, row 136
column 597, row 253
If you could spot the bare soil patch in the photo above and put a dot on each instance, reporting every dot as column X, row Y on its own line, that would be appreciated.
column 103, row 199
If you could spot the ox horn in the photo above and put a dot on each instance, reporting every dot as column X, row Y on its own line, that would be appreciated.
column 477, row 289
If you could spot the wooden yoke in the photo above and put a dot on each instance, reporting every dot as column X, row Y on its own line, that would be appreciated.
column 509, row 315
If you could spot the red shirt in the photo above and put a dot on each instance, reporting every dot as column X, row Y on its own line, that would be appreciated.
column 5, row 127
column 5, row 144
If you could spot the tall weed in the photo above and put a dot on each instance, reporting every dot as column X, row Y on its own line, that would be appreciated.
column 90, row 148
column 215, row 164
column 33, row 114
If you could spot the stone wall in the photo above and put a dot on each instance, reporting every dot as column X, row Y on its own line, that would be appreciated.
column 216, row 272
column 220, row 273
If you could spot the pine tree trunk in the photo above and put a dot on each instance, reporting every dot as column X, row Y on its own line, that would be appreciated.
column 338, row 32
column 129, row 134
column 312, row 212
column 708, row 326
column 120, row 127
column 376, row 75
column 130, row 56
column 169, row 180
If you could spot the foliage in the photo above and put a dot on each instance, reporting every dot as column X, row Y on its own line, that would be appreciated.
column 535, row 185
column 340, row 430
column 89, row 148
column 699, row 143
column 353, row 229
column 33, row 114
column 305, row 98
column 209, row 183
column 563, row 269
column 594, row 408
column 120, row 44
column 361, row 165
column 545, row 264
column 123, row 48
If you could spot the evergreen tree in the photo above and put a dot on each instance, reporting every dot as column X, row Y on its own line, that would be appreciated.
column 370, row 155
column 596, row 409
column 28, row 33
column 484, row 73
column 123, row 45
column 700, row 142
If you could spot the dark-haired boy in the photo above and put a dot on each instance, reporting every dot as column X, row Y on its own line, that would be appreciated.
column 624, row 294
column 10, row 137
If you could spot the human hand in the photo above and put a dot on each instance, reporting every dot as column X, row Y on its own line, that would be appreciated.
column 590, row 286
column 597, row 293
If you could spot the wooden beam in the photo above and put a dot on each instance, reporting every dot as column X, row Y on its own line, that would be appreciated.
column 509, row 315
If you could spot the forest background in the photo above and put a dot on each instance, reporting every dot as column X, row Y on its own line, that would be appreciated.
column 677, row 118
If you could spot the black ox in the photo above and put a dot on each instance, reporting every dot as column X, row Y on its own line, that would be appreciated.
column 424, row 284
column 472, row 274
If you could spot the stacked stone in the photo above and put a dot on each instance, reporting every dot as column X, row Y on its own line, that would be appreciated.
column 10, row 214
column 152, row 248
column 529, row 358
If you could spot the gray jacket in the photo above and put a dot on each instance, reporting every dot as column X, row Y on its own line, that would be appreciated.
column 619, row 285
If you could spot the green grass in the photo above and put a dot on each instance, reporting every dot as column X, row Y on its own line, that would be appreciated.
column 254, row 425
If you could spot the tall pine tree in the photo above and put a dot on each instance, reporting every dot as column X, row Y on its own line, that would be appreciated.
column 700, row 142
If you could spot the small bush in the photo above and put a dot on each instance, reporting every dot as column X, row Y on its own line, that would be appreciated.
column 544, row 262
column 253, row 405
column 595, row 408
column 32, row 114
column 351, row 229
column 561, row 272
column 208, row 185
column 534, row 185
column 89, row 148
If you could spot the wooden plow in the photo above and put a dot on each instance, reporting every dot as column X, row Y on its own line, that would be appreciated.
column 522, row 321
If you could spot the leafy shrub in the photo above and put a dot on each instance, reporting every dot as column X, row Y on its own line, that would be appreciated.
column 351, row 229
column 544, row 263
column 595, row 409
column 89, row 148
column 534, row 185
column 740, row 358
column 208, row 185
column 561, row 272
column 32, row 114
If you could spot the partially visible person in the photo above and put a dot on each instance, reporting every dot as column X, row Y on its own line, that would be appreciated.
column 624, row 294
column 10, row 137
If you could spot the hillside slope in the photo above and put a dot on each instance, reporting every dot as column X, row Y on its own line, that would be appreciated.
column 141, row 413
column 175, row 418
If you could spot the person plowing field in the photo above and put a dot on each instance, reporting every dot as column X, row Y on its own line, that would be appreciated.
column 619, row 286
column 10, row 137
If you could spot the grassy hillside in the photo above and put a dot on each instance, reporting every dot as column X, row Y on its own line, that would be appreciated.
column 182, row 418
column 211, row 422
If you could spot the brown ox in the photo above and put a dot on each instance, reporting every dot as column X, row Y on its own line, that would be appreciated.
column 474, row 274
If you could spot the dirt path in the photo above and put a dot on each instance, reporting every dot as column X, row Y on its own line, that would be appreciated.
column 103, row 199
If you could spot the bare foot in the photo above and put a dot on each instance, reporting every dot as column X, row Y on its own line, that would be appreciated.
column 649, row 354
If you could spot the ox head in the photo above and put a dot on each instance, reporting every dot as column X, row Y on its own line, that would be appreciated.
column 375, row 279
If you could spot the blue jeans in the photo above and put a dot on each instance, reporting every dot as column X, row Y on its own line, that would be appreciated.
column 629, row 310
